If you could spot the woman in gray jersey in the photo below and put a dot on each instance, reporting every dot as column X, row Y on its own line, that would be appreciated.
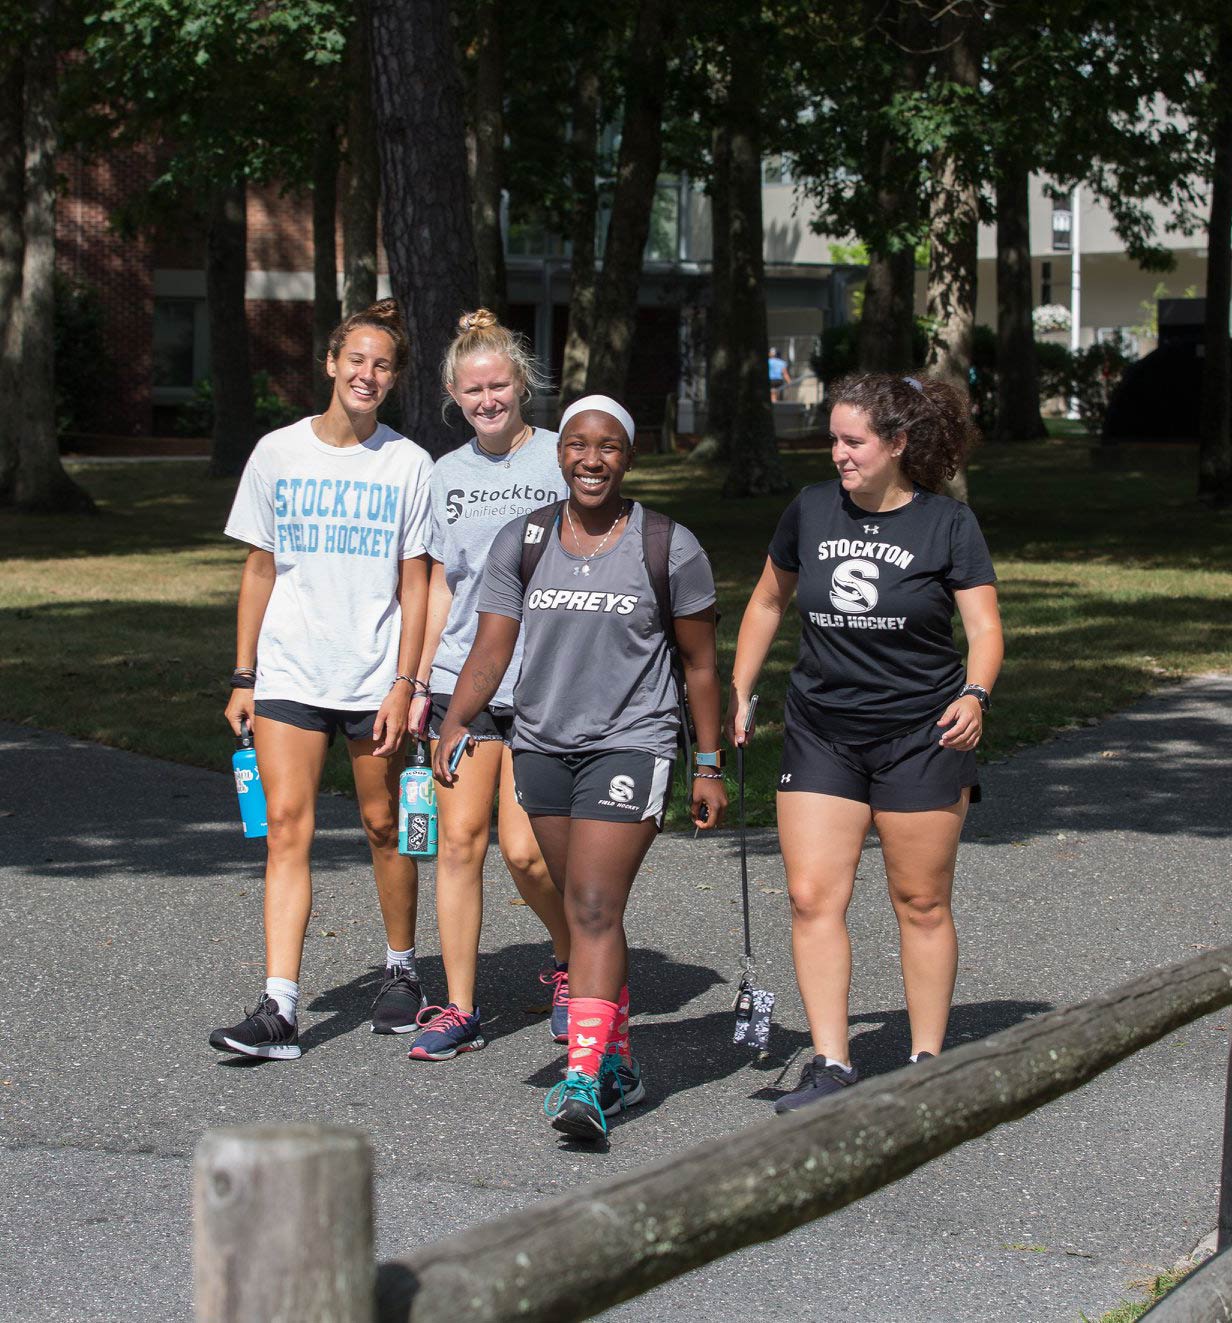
column 507, row 468
column 596, row 721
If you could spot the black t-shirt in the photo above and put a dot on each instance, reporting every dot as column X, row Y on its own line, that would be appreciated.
column 876, row 600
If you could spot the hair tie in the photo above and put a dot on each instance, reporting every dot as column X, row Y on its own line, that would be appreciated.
column 914, row 384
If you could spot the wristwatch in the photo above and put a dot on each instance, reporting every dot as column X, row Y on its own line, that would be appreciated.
column 979, row 692
column 717, row 760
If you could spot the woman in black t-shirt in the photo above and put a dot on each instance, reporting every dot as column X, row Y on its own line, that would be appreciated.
column 882, row 717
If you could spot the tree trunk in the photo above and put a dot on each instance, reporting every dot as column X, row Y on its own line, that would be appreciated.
column 488, row 162
column 755, row 467
column 954, row 230
column 584, row 145
column 1215, row 444
column 361, row 179
column 887, row 321
column 1018, row 405
column 326, row 310
column 12, row 202
column 226, row 266
column 720, row 362
column 426, row 211
column 41, row 484
column 641, row 151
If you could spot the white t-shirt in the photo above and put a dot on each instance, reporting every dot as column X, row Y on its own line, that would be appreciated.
column 338, row 521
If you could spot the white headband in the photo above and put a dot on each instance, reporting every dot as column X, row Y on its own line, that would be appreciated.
column 603, row 404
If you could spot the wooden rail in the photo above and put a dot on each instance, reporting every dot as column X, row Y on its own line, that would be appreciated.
column 574, row 1256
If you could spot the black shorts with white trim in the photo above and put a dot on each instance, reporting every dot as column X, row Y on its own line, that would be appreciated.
column 910, row 772
column 614, row 785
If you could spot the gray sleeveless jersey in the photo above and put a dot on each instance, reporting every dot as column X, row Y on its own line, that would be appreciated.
column 596, row 672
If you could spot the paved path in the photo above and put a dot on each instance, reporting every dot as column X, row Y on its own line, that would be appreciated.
column 130, row 913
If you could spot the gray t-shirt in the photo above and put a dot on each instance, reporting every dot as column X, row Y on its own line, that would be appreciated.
column 596, row 673
column 472, row 497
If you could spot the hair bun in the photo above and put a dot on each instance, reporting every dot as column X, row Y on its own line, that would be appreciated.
column 384, row 310
column 480, row 320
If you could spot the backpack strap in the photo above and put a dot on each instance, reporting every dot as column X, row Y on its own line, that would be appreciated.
column 536, row 529
column 656, row 546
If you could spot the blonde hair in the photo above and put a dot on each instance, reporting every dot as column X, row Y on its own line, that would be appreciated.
column 384, row 316
column 480, row 332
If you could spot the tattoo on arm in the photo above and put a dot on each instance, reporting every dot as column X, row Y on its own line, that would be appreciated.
column 485, row 677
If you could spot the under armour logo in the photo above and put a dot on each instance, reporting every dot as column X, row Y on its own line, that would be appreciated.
column 785, row 779
column 534, row 533
column 872, row 528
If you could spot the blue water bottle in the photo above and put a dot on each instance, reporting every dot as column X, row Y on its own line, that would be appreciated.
column 248, row 784
column 417, row 807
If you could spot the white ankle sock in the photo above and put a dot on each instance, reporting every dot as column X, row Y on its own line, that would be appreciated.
column 286, row 994
column 842, row 1065
column 404, row 958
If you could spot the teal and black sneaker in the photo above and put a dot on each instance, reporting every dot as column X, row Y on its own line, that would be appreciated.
column 573, row 1107
column 620, row 1084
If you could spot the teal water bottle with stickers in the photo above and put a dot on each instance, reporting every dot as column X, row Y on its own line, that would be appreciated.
column 417, row 807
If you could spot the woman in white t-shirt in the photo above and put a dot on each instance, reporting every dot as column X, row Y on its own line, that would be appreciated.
column 334, row 510
column 507, row 469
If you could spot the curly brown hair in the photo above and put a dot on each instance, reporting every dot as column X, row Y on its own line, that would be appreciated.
column 933, row 415
column 384, row 316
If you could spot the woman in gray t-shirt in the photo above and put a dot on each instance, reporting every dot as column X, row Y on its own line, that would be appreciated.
column 506, row 469
column 596, row 721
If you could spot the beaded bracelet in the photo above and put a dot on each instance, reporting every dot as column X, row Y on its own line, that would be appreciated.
column 707, row 776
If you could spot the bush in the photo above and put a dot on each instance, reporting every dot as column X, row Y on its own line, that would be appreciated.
column 196, row 416
column 1056, row 370
column 839, row 350
column 80, row 347
column 1096, row 374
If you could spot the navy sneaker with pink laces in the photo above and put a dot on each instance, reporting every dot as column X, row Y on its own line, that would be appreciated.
column 446, row 1032
column 557, row 979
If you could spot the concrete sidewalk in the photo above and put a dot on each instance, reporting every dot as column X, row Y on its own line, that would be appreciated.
column 130, row 908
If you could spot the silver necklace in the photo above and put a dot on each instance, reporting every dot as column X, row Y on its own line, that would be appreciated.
column 523, row 436
column 584, row 567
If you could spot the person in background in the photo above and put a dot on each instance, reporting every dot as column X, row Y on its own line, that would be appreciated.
column 883, row 712
column 334, row 511
column 779, row 376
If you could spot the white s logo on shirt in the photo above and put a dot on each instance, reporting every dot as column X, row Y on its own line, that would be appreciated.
column 851, row 587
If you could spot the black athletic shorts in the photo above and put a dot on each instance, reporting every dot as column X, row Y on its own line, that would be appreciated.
column 615, row 785
column 493, row 723
column 328, row 720
column 904, row 773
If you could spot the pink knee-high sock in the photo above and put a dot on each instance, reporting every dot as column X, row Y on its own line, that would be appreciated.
column 619, row 1041
column 591, row 1028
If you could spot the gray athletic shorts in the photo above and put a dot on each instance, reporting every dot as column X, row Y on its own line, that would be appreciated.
column 493, row 723
column 616, row 785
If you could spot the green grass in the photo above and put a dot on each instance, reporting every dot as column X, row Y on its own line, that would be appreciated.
column 1128, row 1310
column 120, row 628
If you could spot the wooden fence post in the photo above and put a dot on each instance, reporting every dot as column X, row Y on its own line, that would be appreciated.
column 282, row 1226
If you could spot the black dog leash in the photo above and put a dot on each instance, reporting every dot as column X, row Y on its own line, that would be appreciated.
column 753, row 1005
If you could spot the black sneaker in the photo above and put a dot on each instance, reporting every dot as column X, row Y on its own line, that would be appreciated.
column 263, row 1034
column 398, row 1003
column 817, row 1081
column 573, row 1107
column 921, row 1056
column 620, row 1084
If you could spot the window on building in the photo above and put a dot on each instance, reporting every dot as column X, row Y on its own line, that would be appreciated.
column 775, row 170
column 174, row 342
column 662, row 243
column 1062, row 227
column 1045, row 282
